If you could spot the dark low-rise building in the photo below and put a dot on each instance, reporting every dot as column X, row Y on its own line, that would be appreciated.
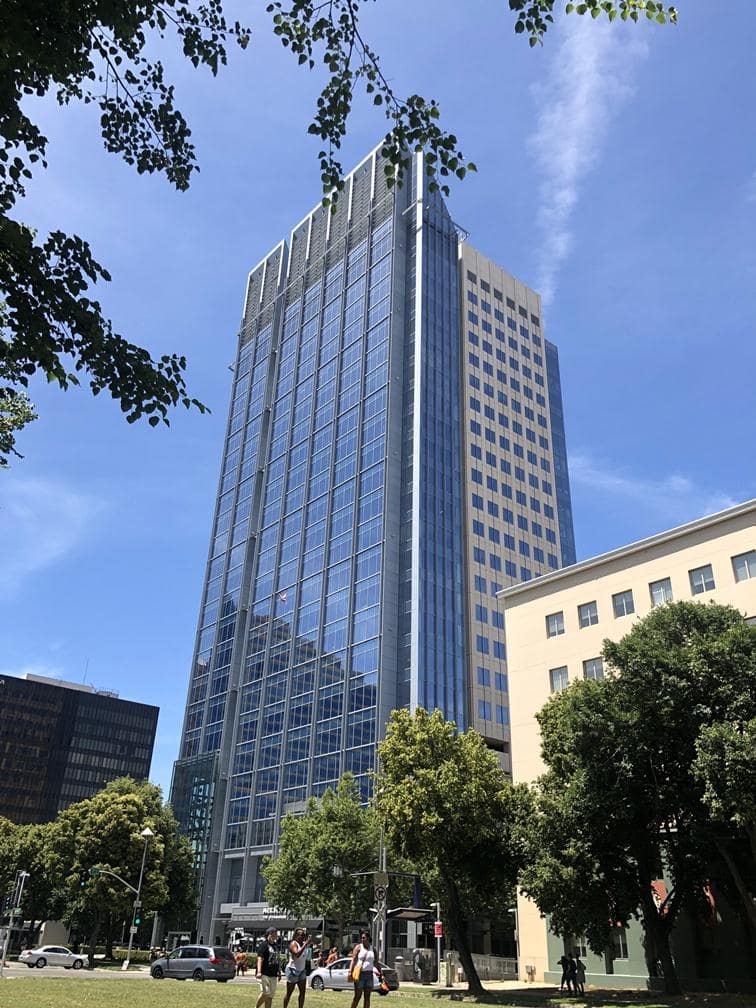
column 61, row 742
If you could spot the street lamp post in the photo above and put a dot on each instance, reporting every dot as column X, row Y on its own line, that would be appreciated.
column 18, row 893
column 146, row 833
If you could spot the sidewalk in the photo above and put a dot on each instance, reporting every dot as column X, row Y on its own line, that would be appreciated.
column 461, row 987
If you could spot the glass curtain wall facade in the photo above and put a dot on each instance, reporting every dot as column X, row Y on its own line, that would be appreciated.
column 336, row 584
column 62, row 742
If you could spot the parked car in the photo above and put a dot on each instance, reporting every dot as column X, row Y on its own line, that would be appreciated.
column 51, row 955
column 336, row 976
column 196, row 962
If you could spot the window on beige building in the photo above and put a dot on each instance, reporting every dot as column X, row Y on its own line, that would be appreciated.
column 558, row 679
column 593, row 668
column 619, row 943
column 555, row 624
column 661, row 591
column 701, row 579
column 623, row 604
column 744, row 566
column 587, row 614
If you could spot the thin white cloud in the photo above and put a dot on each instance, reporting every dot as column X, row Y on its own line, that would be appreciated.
column 674, row 498
column 591, row 75
column 50, row 671
column 41, row 522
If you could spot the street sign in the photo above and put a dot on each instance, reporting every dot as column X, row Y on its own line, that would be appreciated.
column 133, row 929
column 380, row 878
column 380, row 894
column 438, row 929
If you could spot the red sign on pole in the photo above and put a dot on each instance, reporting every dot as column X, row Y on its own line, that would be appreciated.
column 438, row 929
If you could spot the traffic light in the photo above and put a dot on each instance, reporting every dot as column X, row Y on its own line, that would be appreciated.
column 137, row 918
column 83, row 878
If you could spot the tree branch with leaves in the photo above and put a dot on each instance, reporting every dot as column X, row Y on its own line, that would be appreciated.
column 100, row 52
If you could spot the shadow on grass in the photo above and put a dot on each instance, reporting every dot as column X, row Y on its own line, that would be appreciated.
column 547, row 997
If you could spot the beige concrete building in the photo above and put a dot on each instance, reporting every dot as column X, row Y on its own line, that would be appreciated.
column 556, row 626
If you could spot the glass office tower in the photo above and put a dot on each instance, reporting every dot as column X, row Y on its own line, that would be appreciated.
column 341, row 571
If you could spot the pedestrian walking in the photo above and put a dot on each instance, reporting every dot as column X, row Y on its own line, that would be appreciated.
column 579, row 974
column 363, row 968
column 572, row 974
column 296, row 967
column 417, row 965
column 268, row 968
column 564, row 962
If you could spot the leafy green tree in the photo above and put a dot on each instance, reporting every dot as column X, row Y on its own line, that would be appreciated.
column 36, row 852
column 446, row 805
column 15, row 413
column 620, row 805
column 101, row 52
column 334, row 832
column 535, row 16
column 8, row 865
column 9, row 832
column 104, row 832
column 726, row 766
column 31, row 848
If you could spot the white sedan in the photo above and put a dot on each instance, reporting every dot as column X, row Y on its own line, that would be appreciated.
column 51, row 955
column 336, row 976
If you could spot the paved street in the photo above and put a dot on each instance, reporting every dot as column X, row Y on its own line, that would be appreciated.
column 142, row 973
column 50, row 972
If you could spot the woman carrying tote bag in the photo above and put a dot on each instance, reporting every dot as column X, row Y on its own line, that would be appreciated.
column 363, row 966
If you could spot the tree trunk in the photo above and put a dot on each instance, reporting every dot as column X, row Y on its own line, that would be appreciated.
column 658, row 930
column 93, row 940
column 459, row 933
column 34, row 930
column 750, row 830
column 737, row 878
column 109, row 937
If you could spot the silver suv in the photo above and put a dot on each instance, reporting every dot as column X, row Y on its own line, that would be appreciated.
column 196, row 962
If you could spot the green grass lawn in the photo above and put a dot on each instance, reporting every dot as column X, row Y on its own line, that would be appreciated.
column 69, row 992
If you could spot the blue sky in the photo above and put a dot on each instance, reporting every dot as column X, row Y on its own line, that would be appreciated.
column 617, row 175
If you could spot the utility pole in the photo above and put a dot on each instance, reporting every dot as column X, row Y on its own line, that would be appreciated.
column 381, row 882
column 155, row 926
column 438, row 931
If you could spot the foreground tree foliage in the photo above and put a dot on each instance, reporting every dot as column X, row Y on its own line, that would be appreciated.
column 622, row 804
column 445, row 804
column 32, row 848
column 335, row 831
column 101, row 52
column 15, row 413
column 101, row 832
column 104, row 832
column 726, row 766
